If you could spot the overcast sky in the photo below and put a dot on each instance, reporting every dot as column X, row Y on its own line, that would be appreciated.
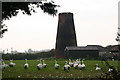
column 96, row 23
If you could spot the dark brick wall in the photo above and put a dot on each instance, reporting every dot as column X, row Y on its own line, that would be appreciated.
column 66, row 35
column 83, row 53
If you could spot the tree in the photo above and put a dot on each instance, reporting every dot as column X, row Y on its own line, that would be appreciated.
column 118, row 40
column 118, row 37
column 10, row 9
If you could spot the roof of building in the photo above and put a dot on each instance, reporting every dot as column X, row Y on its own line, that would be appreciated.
column 81, row 48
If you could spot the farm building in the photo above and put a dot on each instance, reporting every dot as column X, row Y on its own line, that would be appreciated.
column 115, row 52
column 83, row 51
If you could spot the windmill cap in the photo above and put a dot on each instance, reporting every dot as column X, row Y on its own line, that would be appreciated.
column 64, row 13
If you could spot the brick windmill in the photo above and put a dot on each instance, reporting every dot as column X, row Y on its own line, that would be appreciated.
column 66, row 35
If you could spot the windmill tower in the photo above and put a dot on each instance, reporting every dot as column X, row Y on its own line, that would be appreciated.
column 66, row 35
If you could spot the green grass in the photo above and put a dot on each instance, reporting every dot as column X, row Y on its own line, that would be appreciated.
column 18, row 70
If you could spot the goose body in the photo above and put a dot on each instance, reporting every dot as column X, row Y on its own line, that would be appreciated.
column 78, row 61
column 110, row 69
column 75, row 65
column 83, row 65
column 66, row 67
column 98, row 68
column 80, row 66
column 57, row 66
column 2, row 67
column 11, row 63
column 71, row 64
column 39, row 66
column 26, row 65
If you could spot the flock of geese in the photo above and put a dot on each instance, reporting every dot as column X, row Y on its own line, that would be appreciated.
column 77, row 64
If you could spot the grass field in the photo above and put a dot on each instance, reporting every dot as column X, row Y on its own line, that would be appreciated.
column 18, row 70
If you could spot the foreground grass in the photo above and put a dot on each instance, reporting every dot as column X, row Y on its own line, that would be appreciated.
column 18, row 70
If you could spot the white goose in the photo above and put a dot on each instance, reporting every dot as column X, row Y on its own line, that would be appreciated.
column 11, row 63
column 26, row 64
column 78, row 61
column 3, row 65
column 75, row 65
column 66, row 66
column 70, row 63
column 44, row 65
column 97, row 67
column 110, row 69
column 80, row 66
column 56, row 65
column 39, row 66
column 83, row 65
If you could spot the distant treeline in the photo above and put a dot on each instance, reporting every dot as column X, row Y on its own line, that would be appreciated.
column 48, row 54
column 29, row 56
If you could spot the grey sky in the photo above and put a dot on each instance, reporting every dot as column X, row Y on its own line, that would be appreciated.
column 96, row 23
